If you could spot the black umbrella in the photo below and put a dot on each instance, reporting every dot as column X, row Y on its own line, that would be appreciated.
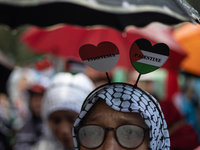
column 114, row 13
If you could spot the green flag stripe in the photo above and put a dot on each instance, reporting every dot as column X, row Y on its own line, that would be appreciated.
column 143, row 68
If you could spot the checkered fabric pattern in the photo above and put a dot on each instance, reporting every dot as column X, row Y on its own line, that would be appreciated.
column 128, row 98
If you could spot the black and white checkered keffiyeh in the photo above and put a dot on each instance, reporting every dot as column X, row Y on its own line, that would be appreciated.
column 127, row 98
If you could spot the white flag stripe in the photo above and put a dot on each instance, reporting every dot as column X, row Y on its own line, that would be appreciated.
column 103, row 64
column 151, row 56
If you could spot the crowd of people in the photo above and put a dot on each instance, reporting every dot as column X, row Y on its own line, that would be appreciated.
column 80, row 110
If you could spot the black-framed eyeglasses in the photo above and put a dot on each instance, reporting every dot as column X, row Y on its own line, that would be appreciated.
column 128, row 136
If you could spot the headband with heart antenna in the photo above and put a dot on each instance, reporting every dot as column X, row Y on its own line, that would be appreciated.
column 125, row 97
column 144, row 57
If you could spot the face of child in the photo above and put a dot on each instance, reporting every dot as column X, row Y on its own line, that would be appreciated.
column 35, row 104
column 61, row 123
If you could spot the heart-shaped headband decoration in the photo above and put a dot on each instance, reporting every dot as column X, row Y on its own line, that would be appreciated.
column 144, row 57
column 102, row 57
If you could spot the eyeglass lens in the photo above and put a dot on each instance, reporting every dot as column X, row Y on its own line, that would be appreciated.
column 91, row 136
column 128, row 136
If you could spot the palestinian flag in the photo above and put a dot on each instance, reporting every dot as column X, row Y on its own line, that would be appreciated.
column 146, row 58
column 102, row 57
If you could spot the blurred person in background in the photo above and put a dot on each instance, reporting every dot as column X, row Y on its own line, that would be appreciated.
column 183, row 135
column 31, row 132
column 61, row 106
column 19, row 81
column 187, row 101
column 6, row 133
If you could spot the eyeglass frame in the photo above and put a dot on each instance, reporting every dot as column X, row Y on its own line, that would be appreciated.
column 145, row 129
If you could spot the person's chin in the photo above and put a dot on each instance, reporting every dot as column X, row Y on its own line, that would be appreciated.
column 67, row 143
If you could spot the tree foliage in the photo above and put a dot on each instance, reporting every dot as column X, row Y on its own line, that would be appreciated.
column 13, row 48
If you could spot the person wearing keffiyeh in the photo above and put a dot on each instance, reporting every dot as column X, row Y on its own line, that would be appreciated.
column 61, row 106
column 120, row 116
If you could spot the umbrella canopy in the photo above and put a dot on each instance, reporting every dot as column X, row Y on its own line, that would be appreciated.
column 189, row 37
column 65, row 41
column 114, row 13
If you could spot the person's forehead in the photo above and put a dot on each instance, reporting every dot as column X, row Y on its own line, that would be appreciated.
column 101, row 111
column 63, row 113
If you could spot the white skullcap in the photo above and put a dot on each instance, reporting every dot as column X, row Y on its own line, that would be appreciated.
column 66, row 92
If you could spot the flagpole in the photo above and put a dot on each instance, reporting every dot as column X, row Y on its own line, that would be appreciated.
column 137, row 80
column 109, row 82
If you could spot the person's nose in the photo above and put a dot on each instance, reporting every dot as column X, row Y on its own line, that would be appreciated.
column 65, row 128
column 110, row 142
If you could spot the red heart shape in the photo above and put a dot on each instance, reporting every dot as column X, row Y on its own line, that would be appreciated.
column 102, row 57
column 43, row 64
